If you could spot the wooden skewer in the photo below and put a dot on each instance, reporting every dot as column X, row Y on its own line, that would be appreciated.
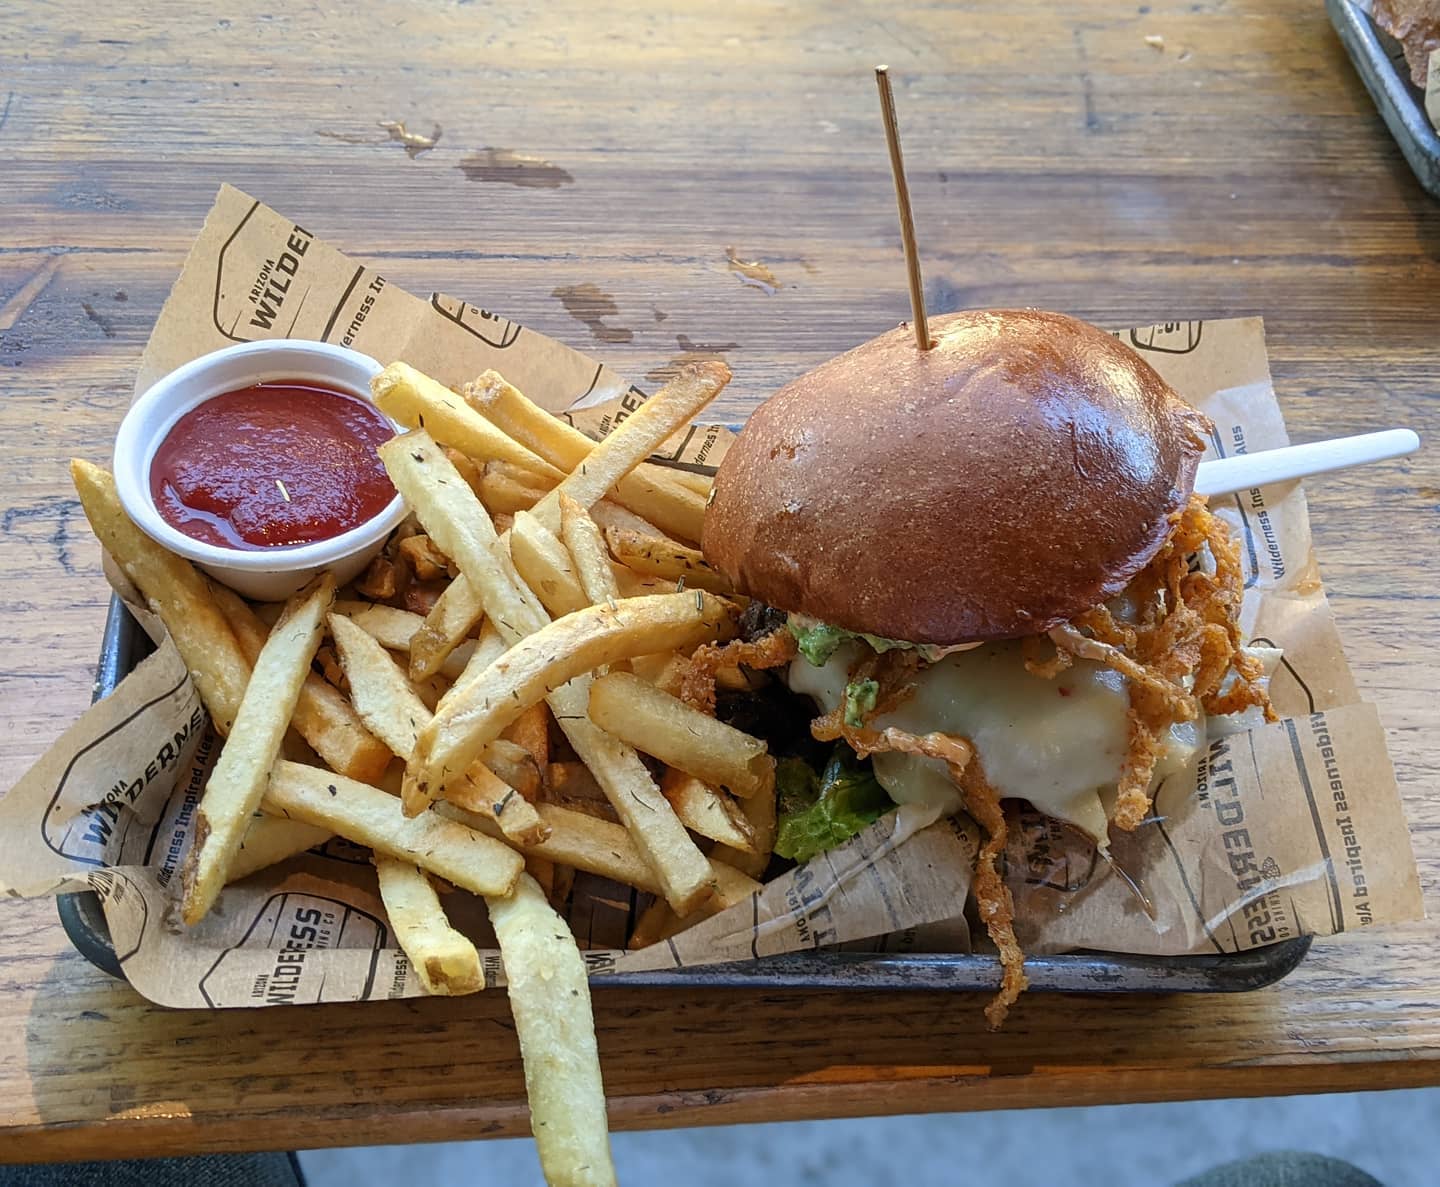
column 902, row 200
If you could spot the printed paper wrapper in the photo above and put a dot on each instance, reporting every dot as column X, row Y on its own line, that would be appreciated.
column 1284, row 829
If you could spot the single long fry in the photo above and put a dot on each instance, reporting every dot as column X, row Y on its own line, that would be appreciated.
column 323, row 717
column 269, row 840
column 587, row 550
column 609, row 514
column 175, row 590
column 546, row 566
column 649, row 490
column 699, row 483
column 653, row 557
column 543, row 661
column 603, row 847
column 489, row 647
column 445, row 961
column 238, row 780
column 665, row 727
column 414, row 399
column 704, row 810
column 371, row 817
column 550, row 998
column 389, row 706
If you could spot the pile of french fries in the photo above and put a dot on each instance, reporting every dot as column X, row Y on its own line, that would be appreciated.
column 492, row 707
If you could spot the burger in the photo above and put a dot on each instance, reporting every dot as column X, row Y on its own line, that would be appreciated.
column 985, row 565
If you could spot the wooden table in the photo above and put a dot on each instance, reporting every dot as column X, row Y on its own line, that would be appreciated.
column 1057, row 158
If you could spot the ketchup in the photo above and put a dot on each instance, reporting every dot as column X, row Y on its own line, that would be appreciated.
column 272, row 466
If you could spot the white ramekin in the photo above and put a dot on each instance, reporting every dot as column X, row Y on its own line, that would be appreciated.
column 271, row 574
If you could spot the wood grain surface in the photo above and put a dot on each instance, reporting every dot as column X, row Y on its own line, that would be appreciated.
column 595, row 170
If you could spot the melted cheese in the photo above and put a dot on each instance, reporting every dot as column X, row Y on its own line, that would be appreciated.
column 1060, row 744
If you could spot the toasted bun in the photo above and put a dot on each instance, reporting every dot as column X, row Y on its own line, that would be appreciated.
column 1015, row 475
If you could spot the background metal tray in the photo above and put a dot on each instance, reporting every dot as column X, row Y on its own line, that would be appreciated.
column 1381, row 63
column 125, row 644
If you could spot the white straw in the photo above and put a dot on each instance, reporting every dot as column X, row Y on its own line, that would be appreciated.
column 1223, row 476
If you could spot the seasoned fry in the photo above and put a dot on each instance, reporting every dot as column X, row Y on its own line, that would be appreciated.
column 389, row 706
column 531, row 731
column 452, row 618
column 666, row 670
column 658, row 724
column 413, row 398
column 699, row 483
column 609, row 514
column 633, row 585
column 445, row 961
column 323, row 716
column 653, row 557
column 489, row 647
column 269, row 840
column 649, row 490
column 175, row 590
column 515, row 765
column 238, row 780
column 371, row 817
column 586, row 547
column 706, row 811
column 546, row 566
column 506, row 491
column 542, row 662
column 466, row 468
column 550, row 998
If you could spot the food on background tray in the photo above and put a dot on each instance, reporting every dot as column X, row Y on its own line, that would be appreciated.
column 987, row 567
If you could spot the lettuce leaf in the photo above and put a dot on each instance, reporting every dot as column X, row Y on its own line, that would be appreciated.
column 818, row 812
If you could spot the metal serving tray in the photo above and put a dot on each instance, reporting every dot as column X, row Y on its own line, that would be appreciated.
column 125, row 644
column 1381, row 63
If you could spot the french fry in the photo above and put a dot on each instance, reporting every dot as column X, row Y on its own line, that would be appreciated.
column 394, row 628
column 431, row 691
column 586, row 547
column 666, row 728
column 506, row 491
column 704, row 810
column 466, row 468
column 175, row 590
column 664, row 669
column 373, row 818
column 546, row 566
column 452, row 515
column 550, row 998
column 445, row 961
column 389, row 705
column 571, row 781
column 633, row 585
column 540, row 663
column 653, row 557
column 603, row 847
column 323, row 717
column 381, row 579
column 654, row 924
column 649, row 490
column 425, row 560
column 449, row 621
column 489, row 647
column 531, row 730
column 269, row 840
column 609, row 514
column 699, row 483
column 414, row 399
column 759, row 811
column 514, row 764
column 238, row 779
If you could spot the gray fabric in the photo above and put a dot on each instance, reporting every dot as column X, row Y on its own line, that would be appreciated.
column 212, row 1170
column 1284, row 1168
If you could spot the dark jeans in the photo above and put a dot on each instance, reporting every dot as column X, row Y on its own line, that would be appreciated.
column 1284, row 1169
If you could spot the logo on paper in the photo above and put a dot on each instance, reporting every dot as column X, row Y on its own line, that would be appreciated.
column 259, row 280
column 289, row 927
column 490, row 328
column 1171, row 337
column 99, row 831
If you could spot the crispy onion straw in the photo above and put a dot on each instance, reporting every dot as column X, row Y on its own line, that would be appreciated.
column 697, row 686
